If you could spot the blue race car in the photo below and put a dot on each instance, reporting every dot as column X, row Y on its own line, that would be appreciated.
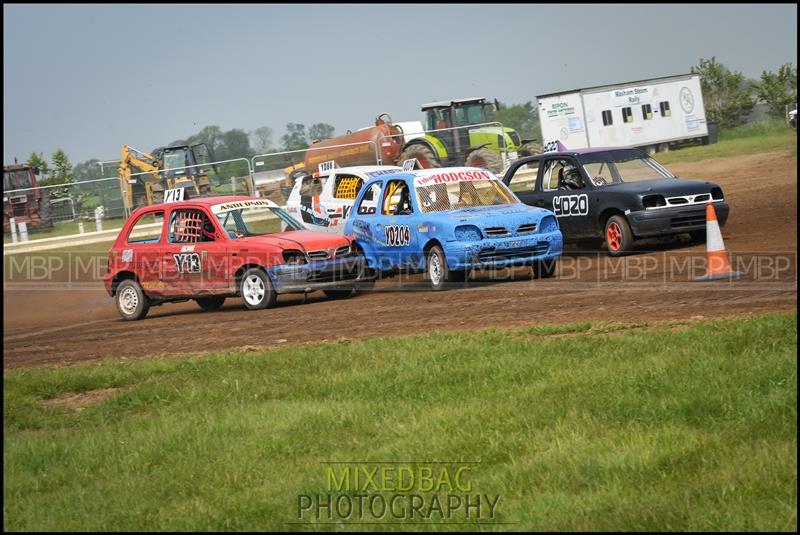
column 447, row 221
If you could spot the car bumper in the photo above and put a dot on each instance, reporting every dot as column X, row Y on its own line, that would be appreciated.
column 512, row 251
column 320, row 275
column 664, row 221
column 107, row 282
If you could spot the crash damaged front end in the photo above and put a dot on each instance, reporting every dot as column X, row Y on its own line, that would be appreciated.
column 319, row 274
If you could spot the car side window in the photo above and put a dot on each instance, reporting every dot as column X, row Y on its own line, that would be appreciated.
column 312, row 186
column 147, row 229
column 369, row 203
column 551, row 175
column 524, row 178
column 347, row 186
column 396, row 198
column 190, row 226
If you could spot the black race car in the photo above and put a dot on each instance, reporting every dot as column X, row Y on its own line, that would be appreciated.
column 614, row 194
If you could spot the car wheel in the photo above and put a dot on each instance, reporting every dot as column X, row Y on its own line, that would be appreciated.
column 486, row 158
column 619, row 237
column 338, row 294
column 132, row 303
column 210, row 304
column 436, row 270
column 698, row 236
column 544, row 269
column 425, row 156
column 256, row 289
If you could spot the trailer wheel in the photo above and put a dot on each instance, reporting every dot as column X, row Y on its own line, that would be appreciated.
column 531, row 148
column 484, row 157
column 425, row 156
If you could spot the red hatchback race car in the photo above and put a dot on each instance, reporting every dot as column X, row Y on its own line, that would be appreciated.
column 212, row 248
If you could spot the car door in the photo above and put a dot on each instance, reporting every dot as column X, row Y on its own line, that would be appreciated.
column 394, row 226
column 193, row 261
column 569, row 203
column 522, row 181
column 142, row 251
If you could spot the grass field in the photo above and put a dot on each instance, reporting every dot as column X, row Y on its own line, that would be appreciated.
column 746, row 139
column 581, row 427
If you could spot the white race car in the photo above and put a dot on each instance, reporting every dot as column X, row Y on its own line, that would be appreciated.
column 322, row 200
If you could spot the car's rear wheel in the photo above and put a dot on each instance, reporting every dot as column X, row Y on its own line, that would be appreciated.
column 256, row 289
column 338, row 294
column 619, row 237
column 210, row 304
column 132, row 303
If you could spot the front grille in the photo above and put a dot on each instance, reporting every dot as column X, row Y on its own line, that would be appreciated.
column 318, row 255
column 528, row 227
column 489, row 255
column 494, row 232
column 702, row 198
column 677, row 200
column 342, row 251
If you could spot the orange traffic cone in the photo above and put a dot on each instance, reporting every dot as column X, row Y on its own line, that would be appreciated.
column 718, row 266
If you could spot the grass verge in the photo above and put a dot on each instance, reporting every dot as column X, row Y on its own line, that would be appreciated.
column 746, row 139
column 581, row 427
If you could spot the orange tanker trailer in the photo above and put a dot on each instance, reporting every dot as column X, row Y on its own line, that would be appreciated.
column 386, row 141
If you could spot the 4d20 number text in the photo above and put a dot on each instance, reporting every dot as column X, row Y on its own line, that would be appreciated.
column 571, row 205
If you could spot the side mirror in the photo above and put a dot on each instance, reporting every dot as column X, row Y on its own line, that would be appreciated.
column 496, row 105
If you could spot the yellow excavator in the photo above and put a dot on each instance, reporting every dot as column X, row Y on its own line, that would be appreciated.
column 144, row 177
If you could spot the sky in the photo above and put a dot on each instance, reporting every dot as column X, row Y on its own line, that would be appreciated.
column 90, row 78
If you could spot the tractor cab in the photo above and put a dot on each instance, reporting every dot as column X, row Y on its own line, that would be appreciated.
column 455, row 114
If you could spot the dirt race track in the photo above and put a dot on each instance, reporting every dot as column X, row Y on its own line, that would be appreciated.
column 70, row 324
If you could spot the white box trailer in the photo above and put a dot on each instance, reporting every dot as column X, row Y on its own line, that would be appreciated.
column 650, row 114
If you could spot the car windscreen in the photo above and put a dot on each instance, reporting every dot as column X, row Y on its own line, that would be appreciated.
column 256, row 221
column 614, row 167
column 463, row 194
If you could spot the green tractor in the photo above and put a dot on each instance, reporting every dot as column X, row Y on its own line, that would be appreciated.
column 447, row 143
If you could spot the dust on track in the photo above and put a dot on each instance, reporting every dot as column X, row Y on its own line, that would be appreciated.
column 70, row 324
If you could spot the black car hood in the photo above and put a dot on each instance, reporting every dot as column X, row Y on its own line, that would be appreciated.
column 665, row 186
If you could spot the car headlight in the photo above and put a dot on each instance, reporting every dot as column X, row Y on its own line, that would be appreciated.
column 652, row 201
column 468, row 233
column 716, row 194
column 293, row 256
column 548, row 224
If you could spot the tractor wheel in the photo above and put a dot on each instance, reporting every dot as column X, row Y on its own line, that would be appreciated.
column 486, row 158
column 45, row 211
column 531, row 148
column 425, row 156
column 210, row 304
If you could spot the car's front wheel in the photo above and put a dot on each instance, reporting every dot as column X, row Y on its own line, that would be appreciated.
column 132, row 303
column 437, row 272
column 544, row 269
column 619, row 237
column 256, row 289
